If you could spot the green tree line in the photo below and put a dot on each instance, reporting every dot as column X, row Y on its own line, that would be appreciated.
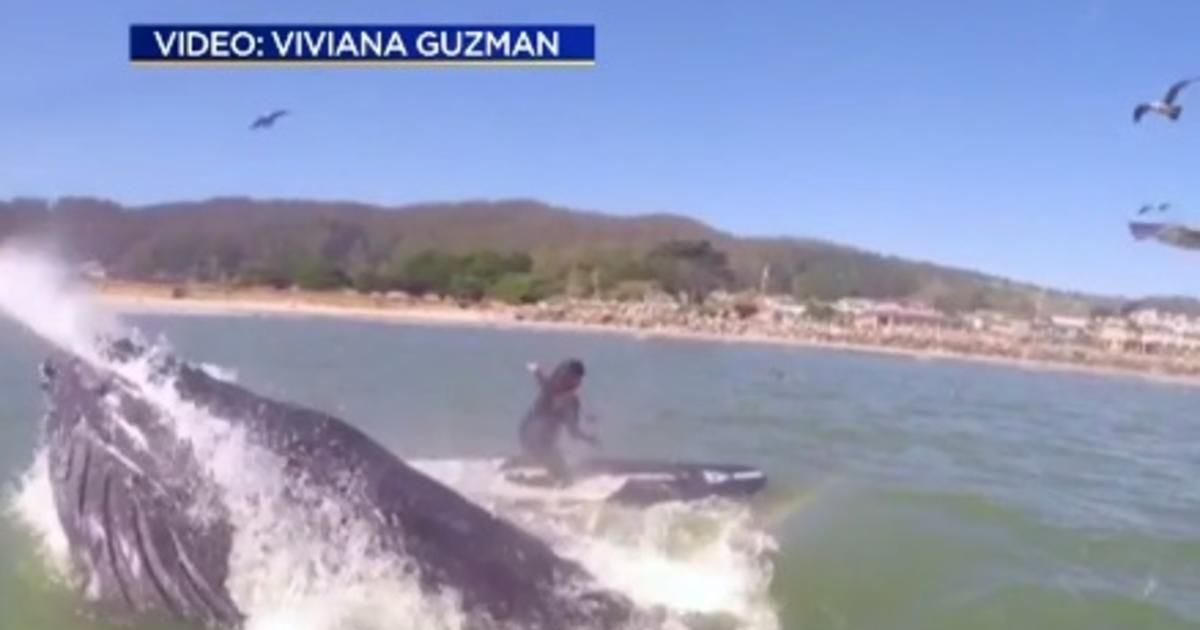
column 333, row 245
column 692, row 269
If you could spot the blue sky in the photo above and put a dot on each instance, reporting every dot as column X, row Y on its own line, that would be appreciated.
column 990, row 135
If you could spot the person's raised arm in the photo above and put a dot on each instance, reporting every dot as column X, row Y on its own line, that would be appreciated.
column 577, row 431
column 537, row 372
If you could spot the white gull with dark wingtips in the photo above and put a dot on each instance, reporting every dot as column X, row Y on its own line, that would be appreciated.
column 1167, row 106
column 1173, row 234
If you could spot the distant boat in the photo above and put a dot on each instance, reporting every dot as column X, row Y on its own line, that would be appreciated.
column 1173, row 234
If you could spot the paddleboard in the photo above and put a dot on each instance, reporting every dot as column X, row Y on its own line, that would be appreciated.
column 645, row 482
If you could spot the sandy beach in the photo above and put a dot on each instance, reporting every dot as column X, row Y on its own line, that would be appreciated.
column 155, row 299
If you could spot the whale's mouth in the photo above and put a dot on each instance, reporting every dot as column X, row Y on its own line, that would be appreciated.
column 218, row 528
column 298, row 558
column 146, row 537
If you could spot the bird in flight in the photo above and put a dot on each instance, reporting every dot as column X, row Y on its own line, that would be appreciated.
column 1172, row 234
column 268, row 121
column 1162, row 207
column 1165, row 107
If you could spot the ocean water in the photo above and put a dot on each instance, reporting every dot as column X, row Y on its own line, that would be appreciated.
column 904, row 494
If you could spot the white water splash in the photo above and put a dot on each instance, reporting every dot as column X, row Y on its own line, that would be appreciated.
column 703, row 558
column 32, row 505
column 39, row 292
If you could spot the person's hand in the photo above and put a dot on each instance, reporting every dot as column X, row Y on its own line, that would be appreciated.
column 532, row 366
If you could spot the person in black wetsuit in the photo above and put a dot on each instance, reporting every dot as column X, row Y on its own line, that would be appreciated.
column 556, row 406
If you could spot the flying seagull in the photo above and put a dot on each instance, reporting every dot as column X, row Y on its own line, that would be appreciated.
column 1165, row 107
column 268, row 121
column 1162, row 207
column 1172, row 234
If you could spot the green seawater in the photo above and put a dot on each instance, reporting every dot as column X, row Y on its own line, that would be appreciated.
column 904, row 494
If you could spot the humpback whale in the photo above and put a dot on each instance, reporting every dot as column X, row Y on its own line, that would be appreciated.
column 149, row 526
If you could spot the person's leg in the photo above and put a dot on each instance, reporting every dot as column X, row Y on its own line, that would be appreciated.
column 556, row 465
column 532, row 444
column 543, row 452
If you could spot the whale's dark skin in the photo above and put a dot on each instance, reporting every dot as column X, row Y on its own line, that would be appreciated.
column 149, row 533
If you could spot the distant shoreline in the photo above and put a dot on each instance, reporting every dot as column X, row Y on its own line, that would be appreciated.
column 153, row 299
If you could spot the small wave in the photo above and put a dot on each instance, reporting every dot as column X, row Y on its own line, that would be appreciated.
column 221, row 373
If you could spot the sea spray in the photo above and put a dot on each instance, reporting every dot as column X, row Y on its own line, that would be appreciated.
column 32, row 505
column 38, row 292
